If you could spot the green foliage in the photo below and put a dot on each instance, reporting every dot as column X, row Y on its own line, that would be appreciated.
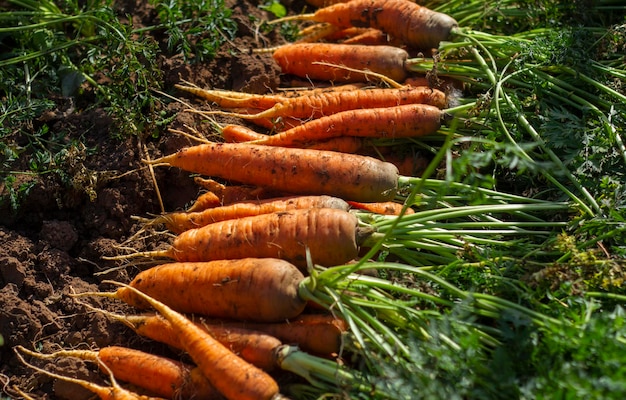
column 195, row 28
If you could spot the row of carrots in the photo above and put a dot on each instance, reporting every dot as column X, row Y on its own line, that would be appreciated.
column 230, row 292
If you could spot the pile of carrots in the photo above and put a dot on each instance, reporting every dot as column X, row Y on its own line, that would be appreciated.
column 279, row 200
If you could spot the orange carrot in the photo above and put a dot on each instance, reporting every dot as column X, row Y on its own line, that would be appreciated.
column 315, row 333
column 204, row 201
column 232, row 194
column 238, row 133
column 255, row 289
column 230, row 99
column 327, row 103
column 414, row 25
column 296, row 171
column 159, row 375
column 256, row 347
column 178, row 222
column 330, row 235
column 231, row 375
column 303, row 59
column 113, row 392
column 385, row 208
column 410, row 120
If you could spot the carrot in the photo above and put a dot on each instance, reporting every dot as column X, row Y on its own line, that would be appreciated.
column 159, row 375
column 178, row 222
column 231, row 375
column 255, row 289
column 315, row 333
column 303, row 59
column 296, row 171
column 410, row 120
column 254, row 346
column 327, row 103
column 232, row 194
column 412, row 24
column 113, row 392
column 230, row 99
column 343, row 144
column 330, row 235
column 204, row 201
column 385, row 208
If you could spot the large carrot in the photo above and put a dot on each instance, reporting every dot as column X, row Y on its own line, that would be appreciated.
column 318, row 61
column 331, row 237
column 327, row 103
column 159, row 375
column 414, row 25
column 113, row 392
column 296, row 171
column 231, row 375
column 410, row 120
column 179, row 222
column 254, row 289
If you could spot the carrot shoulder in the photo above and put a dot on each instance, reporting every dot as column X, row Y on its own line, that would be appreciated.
column 297, row 171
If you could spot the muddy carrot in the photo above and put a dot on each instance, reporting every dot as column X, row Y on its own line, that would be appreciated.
column 253, row 289
column 308, row 60
column 331, row 237
column 296, row 171
column 159, row 375
column 234, row 377
column 414, row 25
column 179, row 222
column 410, row 120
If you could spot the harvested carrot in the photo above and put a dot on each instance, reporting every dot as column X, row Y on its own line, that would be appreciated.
column 254, row 346
column 179, row 222
column 296, row 171
column 385, row 208
column 231, row 375
column 159, row 375
column 320, row 60
column 327, row 103
column 204, row 201
column 410, row 120
column 330, row 235
column 231, row 194
column 239, row 133
column 343, row 144
column 412, row 24
column 315, row 333
column 113, row 392
column 230, row 99
column 254, row 289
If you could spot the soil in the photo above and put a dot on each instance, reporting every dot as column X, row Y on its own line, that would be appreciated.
column 55, row 244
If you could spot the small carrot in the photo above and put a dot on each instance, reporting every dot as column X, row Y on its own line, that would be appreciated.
column 159, row 375
column 410, row 120
column 315, row 333
column 412, row 24
column 254, row 289
column 331, row 237
column 296, row 171
column 385, row 208
column 113, row 392
column 318, row 61
column 231, row 375
column 229, row 194
column 179, row 222
column 230, row 99
column 256, row 347
column 327, row 103
column 345, row 144
column 204, row 201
